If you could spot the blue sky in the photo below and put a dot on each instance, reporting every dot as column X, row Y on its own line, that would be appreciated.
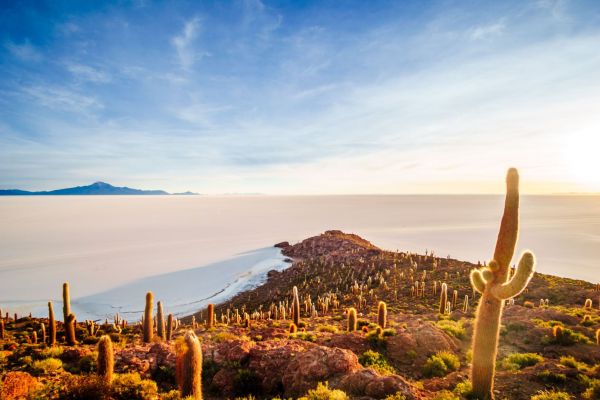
column 300, row 97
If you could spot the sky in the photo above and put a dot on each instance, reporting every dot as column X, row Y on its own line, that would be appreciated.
column 301, row 97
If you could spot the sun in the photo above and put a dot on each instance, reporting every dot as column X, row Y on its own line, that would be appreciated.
column 582, row 156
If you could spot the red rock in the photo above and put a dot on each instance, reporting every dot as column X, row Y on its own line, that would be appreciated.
column 367, row 382
column 315, row 365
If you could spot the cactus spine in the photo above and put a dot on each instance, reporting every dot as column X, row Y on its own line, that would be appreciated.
column 211, row 316
column 148, row 327
column 66, row 301
column 443, row 298
column 51, row 325
column 295, row 307
column 190, row 368
column 492, row 282
column 352, row 320
column 382, row 314
column 70, row 330
column 106, row 360
column 160, row 321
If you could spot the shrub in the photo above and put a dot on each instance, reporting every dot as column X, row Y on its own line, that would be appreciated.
column 440, row 364
column 131, row 387
column 87, row 363
column 46, row 366
column 322, row 392
column 593, row 390
column 396, row 396
column 518, row 361
column 308, row 336
column 571, row 362
column 551, row 377
column 452, row 328
column 568, row 338
column 327, row 328
column 553, row 395
column 245, row 382
column 445, row 395
column 16, row 385
column 376, row 361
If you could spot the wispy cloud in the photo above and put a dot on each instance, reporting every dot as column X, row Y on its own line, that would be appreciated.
column 87, row 73
column 24, row 51
column 487, row 31
column 60, row 98
column 184, row 44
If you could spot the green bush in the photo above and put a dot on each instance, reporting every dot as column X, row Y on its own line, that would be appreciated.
column 551, row 377
column 571, row 362
column 464, row 389
column 593, row 390
column 376, row 361
column 518, row 361
column 327, row 328
column 568, row 338
column 441, row 364
column 245, row 382
column 308, row 336
column 46, row 366
column 322, row 392
column 452, row 328
column 396, row 396
column 131, row 387
column 553, row 395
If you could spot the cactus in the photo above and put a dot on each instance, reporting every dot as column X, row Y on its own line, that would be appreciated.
column 382, row 314
column 352, row 320
column 106, row 360
column 443, row 298
column 293, row 328
column 588, row 303
column 557, row 332
column 148, row 328
column 598, row 336
column 43, row 330
column 170, row 327
column 466, row 304
column 70, row 330
column 210, row 321
column 492, row 282
column 160, row 321
column 295, row 307
column 454, row 299
column 189, row 367
column 51, row 325
column 34, row 337
column 1, row 329
column 66, row 301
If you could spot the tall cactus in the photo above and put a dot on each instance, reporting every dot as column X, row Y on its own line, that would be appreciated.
column 211, row 316
column 352, row 319
column 148, row 322
column 70, row 330
column 51, row 325
column 382, row 314
column 443, row 298
column 106, row 359
column 160, row 321
column 492, row 282
column 189, row 367
column 295, row 307
column 169, row 327
column 66, row 301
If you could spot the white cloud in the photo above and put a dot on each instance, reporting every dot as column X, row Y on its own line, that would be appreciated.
column 60, row 98
column 87, row 73
column 184, row 43
column 24, row 51
column 487, row 31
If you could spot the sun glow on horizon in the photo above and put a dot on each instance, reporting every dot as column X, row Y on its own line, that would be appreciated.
column 581, row 157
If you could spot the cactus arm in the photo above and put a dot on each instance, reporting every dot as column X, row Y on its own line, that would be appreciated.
column 509, row 226
column 477, row 280
column 519, row 281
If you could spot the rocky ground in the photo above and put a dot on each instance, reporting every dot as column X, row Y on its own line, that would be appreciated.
column 420, row 353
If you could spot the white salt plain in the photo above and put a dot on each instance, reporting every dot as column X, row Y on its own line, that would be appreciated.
column 192, row 250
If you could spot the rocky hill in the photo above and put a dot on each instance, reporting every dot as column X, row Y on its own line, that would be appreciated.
column 420, row 351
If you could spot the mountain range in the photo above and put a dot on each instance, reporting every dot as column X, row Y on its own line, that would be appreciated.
column 97, row 188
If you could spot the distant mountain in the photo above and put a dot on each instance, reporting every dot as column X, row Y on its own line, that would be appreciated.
column 98, row 188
